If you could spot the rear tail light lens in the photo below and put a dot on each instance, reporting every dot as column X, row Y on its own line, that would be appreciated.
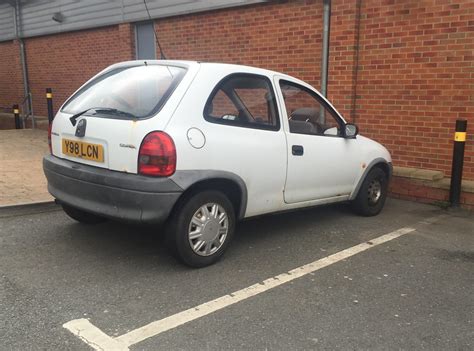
column 49, row 139
column 157, row 155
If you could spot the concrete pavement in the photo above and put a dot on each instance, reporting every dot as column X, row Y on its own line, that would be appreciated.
column 21, row 174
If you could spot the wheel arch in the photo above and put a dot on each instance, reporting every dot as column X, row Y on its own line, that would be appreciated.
column 228, row 183
column 379, row 162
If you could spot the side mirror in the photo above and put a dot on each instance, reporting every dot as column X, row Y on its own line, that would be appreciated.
column 350, row 130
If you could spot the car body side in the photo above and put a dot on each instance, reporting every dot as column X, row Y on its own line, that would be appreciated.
column 248, row 164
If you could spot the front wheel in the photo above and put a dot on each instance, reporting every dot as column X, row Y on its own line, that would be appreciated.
column 201, row 228
column 372, row 194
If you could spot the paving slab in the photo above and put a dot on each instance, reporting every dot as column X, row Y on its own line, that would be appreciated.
column 22, row 180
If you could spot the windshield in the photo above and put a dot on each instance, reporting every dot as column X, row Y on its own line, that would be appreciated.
column 137, row 91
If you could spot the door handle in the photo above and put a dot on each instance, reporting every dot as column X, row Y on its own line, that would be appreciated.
column 297, row 150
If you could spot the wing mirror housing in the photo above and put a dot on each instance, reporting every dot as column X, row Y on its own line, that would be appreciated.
column 351, row 131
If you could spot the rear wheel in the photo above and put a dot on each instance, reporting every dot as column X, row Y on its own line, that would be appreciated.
column 82, row 216
column 372, row 194
column 201, row 228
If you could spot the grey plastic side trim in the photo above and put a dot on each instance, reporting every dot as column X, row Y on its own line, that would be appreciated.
column 186, row 179
column 367, row 170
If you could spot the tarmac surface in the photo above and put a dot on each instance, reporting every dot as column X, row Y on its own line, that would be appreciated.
column 412, row 292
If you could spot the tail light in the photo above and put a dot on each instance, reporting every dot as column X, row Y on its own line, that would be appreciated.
column 49, row 139
column 157, row 155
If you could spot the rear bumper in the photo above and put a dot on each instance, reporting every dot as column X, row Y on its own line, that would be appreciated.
column 116, row 195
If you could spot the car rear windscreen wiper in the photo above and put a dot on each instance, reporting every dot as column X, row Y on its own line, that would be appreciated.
column 100, row 110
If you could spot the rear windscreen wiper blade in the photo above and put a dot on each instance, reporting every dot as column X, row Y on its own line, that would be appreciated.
column 74, row 118
column 103, row 110
column 113, row 111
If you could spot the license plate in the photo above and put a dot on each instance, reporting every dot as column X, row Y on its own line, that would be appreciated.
column 86, row 151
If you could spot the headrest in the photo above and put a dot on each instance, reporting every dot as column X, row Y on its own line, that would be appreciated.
column 305, row 113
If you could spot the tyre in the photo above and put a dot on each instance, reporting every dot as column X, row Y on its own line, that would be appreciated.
column 201, row 228
column 82, row 216
column 372, row 194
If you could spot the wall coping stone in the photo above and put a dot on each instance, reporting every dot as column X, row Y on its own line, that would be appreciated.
column 434, row 179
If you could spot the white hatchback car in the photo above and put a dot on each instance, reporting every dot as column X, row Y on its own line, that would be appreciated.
column 199, row 146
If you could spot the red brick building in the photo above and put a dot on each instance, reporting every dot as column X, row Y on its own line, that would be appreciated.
column 403, row 70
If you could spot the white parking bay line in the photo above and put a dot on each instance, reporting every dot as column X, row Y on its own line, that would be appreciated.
column 93, row 336
column 98, row 340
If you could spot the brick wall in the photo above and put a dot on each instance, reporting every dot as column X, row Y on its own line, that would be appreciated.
column 403, row 70
column 415, row 76
column 64, row 62
column 11, row 81
column 343, row 56
column 408, row 80
column 416, row 190
column 283, row 36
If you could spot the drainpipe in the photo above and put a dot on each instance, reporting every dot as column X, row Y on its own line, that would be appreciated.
column 24, row 68
column 325, row 54
column 355, row 74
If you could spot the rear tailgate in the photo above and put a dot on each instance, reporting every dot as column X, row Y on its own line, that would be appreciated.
column 112, row 142
column 108, row 143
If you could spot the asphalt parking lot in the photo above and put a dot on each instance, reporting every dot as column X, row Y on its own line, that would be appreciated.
column 413, row 291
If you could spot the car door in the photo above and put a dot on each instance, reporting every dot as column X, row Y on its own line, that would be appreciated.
column 243, row 135
column 322, row 164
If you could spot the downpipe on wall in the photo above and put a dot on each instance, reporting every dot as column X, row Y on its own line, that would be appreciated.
column 325, row 53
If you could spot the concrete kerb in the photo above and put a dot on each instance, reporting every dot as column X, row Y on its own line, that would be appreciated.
column 26, row 204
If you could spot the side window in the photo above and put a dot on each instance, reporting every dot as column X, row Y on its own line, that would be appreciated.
column 307, row 113
column 243, row 100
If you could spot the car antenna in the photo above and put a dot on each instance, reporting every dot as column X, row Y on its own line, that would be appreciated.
column 162, row 54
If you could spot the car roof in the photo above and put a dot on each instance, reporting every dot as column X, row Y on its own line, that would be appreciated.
column 185, row 63
column 220, row 66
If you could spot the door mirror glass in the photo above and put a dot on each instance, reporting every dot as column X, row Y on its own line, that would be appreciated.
column 351, row 130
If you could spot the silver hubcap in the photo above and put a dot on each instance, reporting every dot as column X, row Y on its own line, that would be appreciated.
column 375, row 191
column 208, row 229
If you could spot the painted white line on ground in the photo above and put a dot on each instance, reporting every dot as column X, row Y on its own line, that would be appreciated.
column 98, row 340
column 93, row 336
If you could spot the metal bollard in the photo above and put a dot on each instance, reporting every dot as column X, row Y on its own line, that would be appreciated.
column 49, row 100
column 16, row 113
column 458, row 161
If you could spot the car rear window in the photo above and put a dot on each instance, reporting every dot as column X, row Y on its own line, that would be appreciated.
column 139, row 91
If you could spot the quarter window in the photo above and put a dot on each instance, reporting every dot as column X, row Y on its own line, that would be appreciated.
column 243, row 100
column 307, row 112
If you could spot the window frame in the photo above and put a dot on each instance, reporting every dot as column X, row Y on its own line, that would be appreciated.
column 321, row 101
column 232, row 123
